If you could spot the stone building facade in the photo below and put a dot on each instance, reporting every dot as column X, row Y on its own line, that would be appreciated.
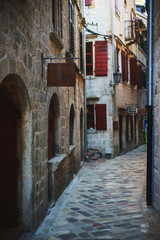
column 156, row 102
column 115, row 108
column 41, row 126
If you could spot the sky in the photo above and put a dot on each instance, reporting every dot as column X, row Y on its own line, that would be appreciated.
column 140, row 1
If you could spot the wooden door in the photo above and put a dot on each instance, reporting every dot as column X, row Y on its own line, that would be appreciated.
column 120, row 133
column 8, row 168
column 51, row 132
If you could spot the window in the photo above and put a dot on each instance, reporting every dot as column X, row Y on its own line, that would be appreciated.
column 96, row 116
column 89, row 58
column 71, row 27
column 133, row 75
column 57, row 16
column 81, row 50
column 117, row 7
column 101, row 58
column 88, row 2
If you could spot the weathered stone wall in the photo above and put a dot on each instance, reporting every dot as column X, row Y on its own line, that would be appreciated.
column 25, row 28
column 156, row 195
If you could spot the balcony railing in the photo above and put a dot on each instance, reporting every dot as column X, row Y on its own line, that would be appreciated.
column 130, row 30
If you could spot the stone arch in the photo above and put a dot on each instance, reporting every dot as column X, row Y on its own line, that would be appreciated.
column 72, row 134
column 53, row 127
column 13, row 89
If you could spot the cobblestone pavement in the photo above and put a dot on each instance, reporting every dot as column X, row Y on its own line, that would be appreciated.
column 106, row 200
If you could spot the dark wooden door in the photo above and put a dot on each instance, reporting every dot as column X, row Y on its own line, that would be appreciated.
column 8, row 168
column 120, row 133
column 51, row 132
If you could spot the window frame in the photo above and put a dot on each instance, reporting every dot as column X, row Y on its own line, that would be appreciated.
column 99, row 121
column 57, row 17
column 89, row 54
column 71, row 28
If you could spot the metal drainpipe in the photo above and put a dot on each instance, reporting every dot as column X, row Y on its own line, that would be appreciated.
column 113, row 54
column 150, row 106
column 84, row 67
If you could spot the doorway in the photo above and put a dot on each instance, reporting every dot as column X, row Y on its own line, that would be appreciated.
column 8, row 166
column 120, row 133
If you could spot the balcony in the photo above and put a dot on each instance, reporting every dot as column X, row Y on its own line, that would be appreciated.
column 130, row 30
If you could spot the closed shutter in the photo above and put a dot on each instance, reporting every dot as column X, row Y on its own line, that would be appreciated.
column 88, row 2
column 101, row 58
column 123, row 65
column 126, row 68
column 139, row 76
column 133, row 66
column 101, row 121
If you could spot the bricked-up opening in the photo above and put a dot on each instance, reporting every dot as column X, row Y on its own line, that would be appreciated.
column 89, row 58
column 71, row 126
column 53, row 127
column 101, row 58
column 71, row 27
column 57, row 16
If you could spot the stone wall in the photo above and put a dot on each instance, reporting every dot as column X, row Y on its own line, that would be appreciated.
column 156, row 87
column 25, row 30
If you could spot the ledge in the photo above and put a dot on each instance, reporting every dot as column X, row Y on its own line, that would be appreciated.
column 55, row 161
column 71, row 149
column 56, row 39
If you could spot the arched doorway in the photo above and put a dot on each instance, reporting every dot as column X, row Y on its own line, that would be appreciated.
column 8, row 165
column 15, row 145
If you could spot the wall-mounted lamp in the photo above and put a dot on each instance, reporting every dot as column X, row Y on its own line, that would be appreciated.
column 117, row 77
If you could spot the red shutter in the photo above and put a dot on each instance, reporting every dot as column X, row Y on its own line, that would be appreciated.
column 126, row 68
column 133, row 66
column 101, row 58
column 101, row 121
column 139, row 76
column 88, row 2
column 123, row 65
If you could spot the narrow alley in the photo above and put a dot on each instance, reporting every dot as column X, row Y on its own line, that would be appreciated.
column 105, row 200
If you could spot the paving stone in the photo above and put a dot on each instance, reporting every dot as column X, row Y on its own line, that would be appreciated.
column 106, row 200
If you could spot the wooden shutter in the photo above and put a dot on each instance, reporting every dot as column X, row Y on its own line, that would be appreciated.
column 101, row 58
column 139, row 76
column 123, row 65
column 88, row 2
column 101, row 121
column 133, row 66
column 89, row 58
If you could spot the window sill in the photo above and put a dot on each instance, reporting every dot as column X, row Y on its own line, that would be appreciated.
column 56, row 39
column 91, row 131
